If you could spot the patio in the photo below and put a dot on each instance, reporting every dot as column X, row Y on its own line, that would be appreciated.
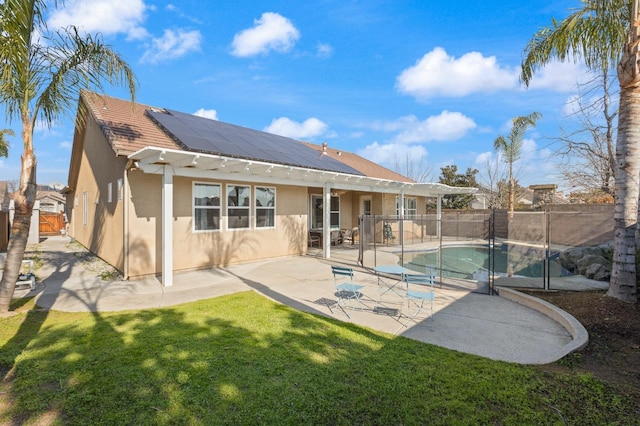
column 490, row 326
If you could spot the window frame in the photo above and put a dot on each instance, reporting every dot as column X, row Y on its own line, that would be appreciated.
column 85, row 207
column 119, row 193
column 408, row 212
column 257, row 208
column 332, row 213
column 195, row 207
column 229, row 207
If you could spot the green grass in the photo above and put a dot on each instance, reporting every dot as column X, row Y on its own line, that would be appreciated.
column 243, row 359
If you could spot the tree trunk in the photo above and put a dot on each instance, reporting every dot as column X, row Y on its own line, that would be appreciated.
column 24, row 200
column 623, row 275
column 623, row 284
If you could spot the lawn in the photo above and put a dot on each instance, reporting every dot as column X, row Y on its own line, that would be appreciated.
column 243, row 359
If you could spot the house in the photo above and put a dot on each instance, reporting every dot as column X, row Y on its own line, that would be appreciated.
column 152, row 190
column 51, row 201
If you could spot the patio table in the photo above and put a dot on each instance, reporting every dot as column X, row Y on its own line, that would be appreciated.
column 387, row 285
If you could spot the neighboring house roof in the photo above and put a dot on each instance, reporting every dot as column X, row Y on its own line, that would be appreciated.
column 4, row 196
column 51, row 195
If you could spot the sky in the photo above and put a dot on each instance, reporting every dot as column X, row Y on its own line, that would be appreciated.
column 435, row 82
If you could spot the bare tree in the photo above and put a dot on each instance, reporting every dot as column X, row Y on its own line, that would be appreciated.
column 587, row 154
column 489, row 180
column 414, row 168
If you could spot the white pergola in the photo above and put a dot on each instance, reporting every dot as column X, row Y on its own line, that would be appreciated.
column 169, row 163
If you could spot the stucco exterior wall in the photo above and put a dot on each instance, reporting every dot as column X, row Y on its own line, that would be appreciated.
column 103, row 231
column 206, row 249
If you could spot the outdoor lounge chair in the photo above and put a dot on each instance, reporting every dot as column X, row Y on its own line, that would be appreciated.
column 418, row 298
column 346, row 290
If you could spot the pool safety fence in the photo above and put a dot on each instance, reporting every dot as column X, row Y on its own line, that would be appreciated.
column 482, row 250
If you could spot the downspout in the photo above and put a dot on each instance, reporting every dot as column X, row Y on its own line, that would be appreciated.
column 125, row 219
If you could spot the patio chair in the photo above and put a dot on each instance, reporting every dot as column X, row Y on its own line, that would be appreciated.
column 336, row 237
column 418, row 298
column 314, row 239
column 349, row 235
column 346, row 290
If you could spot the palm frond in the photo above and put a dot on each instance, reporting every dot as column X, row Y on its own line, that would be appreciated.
column 76, row 63
column 4, row 143
column 596, row 33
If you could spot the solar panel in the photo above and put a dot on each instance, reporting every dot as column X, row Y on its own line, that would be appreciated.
column 199, row 134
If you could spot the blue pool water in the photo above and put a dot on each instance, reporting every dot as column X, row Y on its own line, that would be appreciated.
column 468, row 261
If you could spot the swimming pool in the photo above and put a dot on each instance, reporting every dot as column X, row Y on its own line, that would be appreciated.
column 467, row 262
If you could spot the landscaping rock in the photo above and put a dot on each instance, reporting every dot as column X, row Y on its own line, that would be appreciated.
column 598, row 272
column 592, row 262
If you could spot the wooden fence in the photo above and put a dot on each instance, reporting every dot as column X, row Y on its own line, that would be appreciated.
column 51, row 223
column 4, row 230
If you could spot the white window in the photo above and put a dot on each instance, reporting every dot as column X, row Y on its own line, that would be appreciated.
column 109, row 192
column 206, row 207
column 265, row 207
column 410, row 206
column 119, row 189
column 316, row 212
column 85, row 207
column 238, row 207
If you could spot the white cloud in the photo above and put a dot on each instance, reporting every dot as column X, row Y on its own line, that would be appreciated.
column 271, row 32
column 65, row 145
column 324, row 50
column 386, row 154
column 284, row 126
column 103, row 16
column 485, row 158
column 447, row 126
column 559, row 77
column 438, row 74
column 207, row 113
column 172, row 45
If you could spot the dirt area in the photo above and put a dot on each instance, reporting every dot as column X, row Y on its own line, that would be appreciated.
column 613, row 352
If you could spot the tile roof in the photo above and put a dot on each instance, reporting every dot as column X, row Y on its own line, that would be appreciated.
column 129, row 129
column 126, row 126
column 364, row 166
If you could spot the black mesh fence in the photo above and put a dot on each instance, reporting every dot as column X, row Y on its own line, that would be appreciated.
column 480, row 250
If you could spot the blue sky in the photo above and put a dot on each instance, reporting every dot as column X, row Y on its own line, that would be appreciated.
column 436, row 81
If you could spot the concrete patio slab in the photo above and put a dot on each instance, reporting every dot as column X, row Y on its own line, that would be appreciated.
column 495, row 327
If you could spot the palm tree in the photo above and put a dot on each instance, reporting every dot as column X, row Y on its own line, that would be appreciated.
column 605, row 34
column 41, row 81
column 4, row 143
column 510, row 148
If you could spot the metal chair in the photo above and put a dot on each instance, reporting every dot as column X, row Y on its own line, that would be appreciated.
column 346, row 290
column 417, row 298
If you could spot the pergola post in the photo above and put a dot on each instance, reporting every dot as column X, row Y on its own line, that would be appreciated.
column 167, row 226
column 326, row 221
column 439, row 216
